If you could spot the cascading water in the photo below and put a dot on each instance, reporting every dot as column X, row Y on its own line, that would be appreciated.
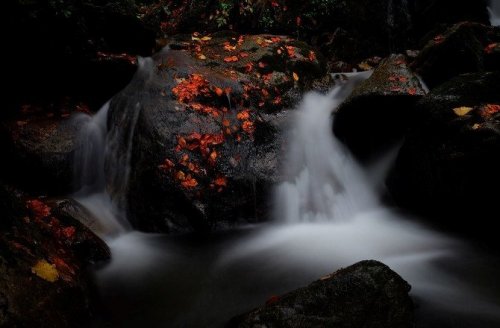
column 494, row 11
column 328, row 215
column 102, row 162
column 325, row 181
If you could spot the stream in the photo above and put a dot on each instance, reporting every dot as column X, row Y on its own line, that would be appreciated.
column 328, row 215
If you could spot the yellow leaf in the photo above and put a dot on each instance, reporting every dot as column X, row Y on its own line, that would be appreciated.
column 202, row 57
column 461, row 111
column 195, row 38
column 295, row 76
column 45, row 270
column 476, row 126
column 206, row 38
column 365, row 66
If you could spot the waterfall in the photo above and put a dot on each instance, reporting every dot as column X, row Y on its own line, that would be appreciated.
column 102, row 161
column 324, row 181
column 494, row 11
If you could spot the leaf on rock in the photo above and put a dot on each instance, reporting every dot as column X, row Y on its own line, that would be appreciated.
column 461, row 111
column 231, row 59
column 45, row 270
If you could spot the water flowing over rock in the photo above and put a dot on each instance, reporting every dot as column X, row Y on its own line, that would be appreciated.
column 379, row 111
column 205, row 147
column 366, row 294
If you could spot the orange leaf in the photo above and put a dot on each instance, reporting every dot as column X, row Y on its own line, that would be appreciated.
column 243, row 54
column 489, row 49
column 189, row 183
column 231, row 59
column 226, row 122
column 221, row 182
column 243, row 115
column 412, row 91
column 295, row 76
column 219, row 91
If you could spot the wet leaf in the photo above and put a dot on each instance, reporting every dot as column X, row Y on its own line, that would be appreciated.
column 45, row 270
column 461, row 111
column 231, row 59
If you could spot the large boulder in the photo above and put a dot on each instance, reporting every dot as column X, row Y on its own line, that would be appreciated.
column 448, row 165
column 380, row 109
column 366, row 294
column 463, row 48
column 207, row 138
column 44, row 259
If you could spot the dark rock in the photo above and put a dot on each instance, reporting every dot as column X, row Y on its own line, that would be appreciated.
column 379, row 110
column 53, row 49
column 44, row 257
column 206, row 154
column 39, row 153
column 431, row 14
column 460, row 49
column 448, row 166
column 366, row 294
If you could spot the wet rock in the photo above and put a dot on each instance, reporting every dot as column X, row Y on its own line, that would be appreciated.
column 379, row 110
column 39, row 152
column 460, row 49
column 208, row 133
column 366, row 294
column 44, row 258
column 448, row 166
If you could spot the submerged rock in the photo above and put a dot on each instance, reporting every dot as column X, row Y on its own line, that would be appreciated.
column 448, row 166
column 209, row 112
column 44, row 257
column 366, row 294
column 379, row 110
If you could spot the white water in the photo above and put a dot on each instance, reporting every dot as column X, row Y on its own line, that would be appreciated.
column 494, row 11
column 328, row 216
column 102, row 163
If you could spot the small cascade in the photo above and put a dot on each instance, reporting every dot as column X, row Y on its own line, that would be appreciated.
column 102, row 161
column 324, row 182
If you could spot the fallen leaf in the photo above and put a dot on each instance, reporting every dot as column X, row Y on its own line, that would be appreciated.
column 365, row 66
column 45, row 270
column 219, row 91
column 295, row 76
column 489, row 49
column 221, row 182
column 243, row 55
column 231, row 59
column 206, row 38
column 461, row 111
column 189, row 182
column 202, row 57
column 412, row 91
